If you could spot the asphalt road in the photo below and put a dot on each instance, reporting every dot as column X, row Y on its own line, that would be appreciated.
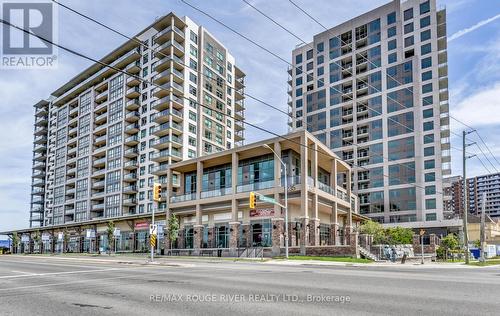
column 57, row 286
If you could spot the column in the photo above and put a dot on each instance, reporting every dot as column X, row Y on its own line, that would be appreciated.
column 277, row 235
column 211, row 237
column 304, row 196
column 277, row 180
column 197, row 238
column 314, row 221
column 234, row 229
column 167, row 233
column 247, row 238
column 199, row 177
column 334, row 225
column 349, row 212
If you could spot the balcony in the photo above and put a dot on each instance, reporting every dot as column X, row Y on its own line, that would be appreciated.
column 163, row 116
column 41, row 120
column 40, row 130
column 165, row 48
column 164, row 76
column 255, row 186
column 129, row 202
column 99, row 162
column 98, row 184
column 132, row 128
column 326, row 188
column 165, row 62
column 133, row 68
column 130, row 177
column 183, row 198
column 101, row 140
column 38, row 182
column 159, row 170
column 166, row 102
column 133, row 93
column 132, row 117
column 127, row 58
column 40, row 147
column 164, row 129
column 40, row 139
column 216, row 193
column 132, row 140
column 161, row 156
column 133, row 104
column 97, row 207
column 101, row 97
column 131, row 153
column 163, row 142
column 131, row 165
column 133, row 81
column 130, row 189
column 165, row 89
column 101, row 118
column 39, row 157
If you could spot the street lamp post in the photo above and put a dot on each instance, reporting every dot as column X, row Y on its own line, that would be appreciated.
column 286, row 198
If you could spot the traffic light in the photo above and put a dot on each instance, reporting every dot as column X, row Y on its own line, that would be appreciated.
column 157, row 192
column 253, row 200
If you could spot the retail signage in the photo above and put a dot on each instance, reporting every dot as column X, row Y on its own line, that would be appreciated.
column 90, row 233
column 117, row 232
column 262, row 212
column 141, row 225
column 45, row 237
column 25, row 238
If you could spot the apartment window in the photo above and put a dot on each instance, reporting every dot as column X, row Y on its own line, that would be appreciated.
column 192, row 128
column 428, row 151
column 62, row 117
column 112, row 206
column 429, row 164
column 430, row 177
column 81, row 211
column 320, row 47
column 430, row 204
column 81, row 189
column 408, row 14
column 402, row 199
column 400, row 124
column 60, row 156
column 392, row 44
column 298, row 103
column 298, row 59
column 83, row 145
column 85, row 103
column 425, row 7
column 401, row 148
column 392, row 58
column 192, row 116
column 116, row 87
column 426, row 88
column 298, row 92
column 391, row 18
column 193, row 78
column 321, row 71
column 115, row 134
column 409, row 41
column 191, row 153
column 61, row 136
column 428, row 100
column 402, row 173
column 425, row 35
column 425, row 21
column 60, row 175
column 431, row 217
column 429, row 138
column 193, row 64
column 192, row 90
column 430, row 190
column 428, row 113
column 320, row 59
column 426, row 62
column 113, row 181
column 193, row 36
column 114, row 157
column 116, row 111
column 425, row 49
column 408, row 28
column 309, row 66
column 391, row 32
column 428, row 126
column 82, row 167
column 309, row 54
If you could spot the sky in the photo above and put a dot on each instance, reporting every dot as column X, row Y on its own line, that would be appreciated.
column 473, row 28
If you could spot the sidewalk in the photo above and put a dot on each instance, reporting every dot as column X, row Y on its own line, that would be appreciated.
column 186, row 261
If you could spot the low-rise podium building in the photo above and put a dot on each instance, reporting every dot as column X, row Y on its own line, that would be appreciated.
column 210, row 197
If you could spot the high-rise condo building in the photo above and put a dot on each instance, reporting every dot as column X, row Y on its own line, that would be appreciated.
column 100, row 139
column 375, row 90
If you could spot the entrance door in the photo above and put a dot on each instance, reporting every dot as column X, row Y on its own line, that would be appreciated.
column 261, row 233
column 221, row 236
column 189, row 238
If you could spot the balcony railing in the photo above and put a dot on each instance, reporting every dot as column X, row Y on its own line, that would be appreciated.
column 215, row 193
column 255, row 186
column 183, row 198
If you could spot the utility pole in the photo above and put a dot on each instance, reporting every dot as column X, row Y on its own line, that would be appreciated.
column 482, row 232
column 466, row 201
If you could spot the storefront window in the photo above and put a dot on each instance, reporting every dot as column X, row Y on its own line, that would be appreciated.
column 261, row 233
column 324, row 234
column 221, row 236
column 188, row 237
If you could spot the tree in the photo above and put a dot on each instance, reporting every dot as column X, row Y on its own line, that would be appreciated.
column 173, row 229
column 36, row 240
column 65, row 241
column 450, row 242
column 15, row 242
column 110, row 233
column 375, row 229
column 399, row 235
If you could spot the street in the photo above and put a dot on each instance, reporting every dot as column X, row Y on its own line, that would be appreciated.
column 60, row 286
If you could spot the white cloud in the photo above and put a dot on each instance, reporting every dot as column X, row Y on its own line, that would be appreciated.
column 479, row 24
column 481, row 108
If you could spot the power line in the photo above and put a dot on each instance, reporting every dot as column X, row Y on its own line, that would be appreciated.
column 153, row 84
column 209, row 77
column 459, row 121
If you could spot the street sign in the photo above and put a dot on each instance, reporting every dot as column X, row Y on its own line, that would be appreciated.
column 153, row 229
column 90, row 233
column 264, row 198
column 117, row 232
column 153, row 240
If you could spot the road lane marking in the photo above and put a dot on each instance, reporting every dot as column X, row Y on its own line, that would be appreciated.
column 24, row 273
column 62, row 273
